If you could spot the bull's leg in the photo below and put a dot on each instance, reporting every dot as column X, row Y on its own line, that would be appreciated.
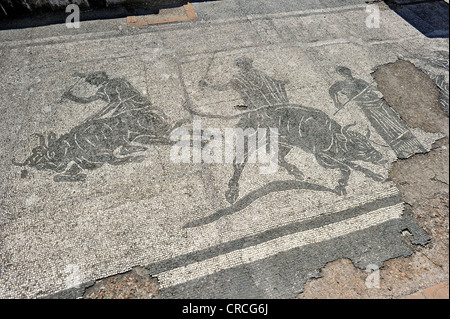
column 125, row 160
column 331, row 163
column 130, row 149
column 232, row 193
column 290, row 168
column 73, row 174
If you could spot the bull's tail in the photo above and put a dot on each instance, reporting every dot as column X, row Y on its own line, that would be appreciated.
column 255, row 195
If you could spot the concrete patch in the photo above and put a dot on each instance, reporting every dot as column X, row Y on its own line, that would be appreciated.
column 410, row 104
column 184, row 13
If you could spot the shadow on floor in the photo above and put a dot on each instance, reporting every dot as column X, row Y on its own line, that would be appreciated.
column 58, row 17
column 431, row 18
column 100, row 13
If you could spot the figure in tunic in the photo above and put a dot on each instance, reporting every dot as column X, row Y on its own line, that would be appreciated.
column 381, row 116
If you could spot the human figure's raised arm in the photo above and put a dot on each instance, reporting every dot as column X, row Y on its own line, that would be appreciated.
column 334, row 94
column 204, row 84
column 84, row 100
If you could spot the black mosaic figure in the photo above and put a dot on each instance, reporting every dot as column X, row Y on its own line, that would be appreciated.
column 385, row 121
column 438, row 61
column 110, row 136
column 120, row 95
column 256, row 88
column 334, row 146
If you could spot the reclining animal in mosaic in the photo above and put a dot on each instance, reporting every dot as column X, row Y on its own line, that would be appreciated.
column 114, row 135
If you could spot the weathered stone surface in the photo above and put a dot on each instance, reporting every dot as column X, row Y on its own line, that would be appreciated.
column 99, row 193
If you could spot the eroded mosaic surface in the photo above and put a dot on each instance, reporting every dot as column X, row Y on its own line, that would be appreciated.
column 90, row 188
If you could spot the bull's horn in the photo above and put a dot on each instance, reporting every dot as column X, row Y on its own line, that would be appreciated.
column 80, row 75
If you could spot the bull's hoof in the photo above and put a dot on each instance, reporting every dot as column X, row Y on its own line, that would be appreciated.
column 340, row 190
column 138, row 159
column 232, row 194
column 69, row 178
column 298, row 175
column 378, row 178
column 294, row 171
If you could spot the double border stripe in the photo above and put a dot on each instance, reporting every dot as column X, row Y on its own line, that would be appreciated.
column 320, row 222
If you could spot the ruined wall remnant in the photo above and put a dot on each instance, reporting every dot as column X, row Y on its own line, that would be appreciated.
column 15, row 8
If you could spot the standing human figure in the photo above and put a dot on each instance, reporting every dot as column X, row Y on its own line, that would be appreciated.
column 255, row 87
column 383, row 118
